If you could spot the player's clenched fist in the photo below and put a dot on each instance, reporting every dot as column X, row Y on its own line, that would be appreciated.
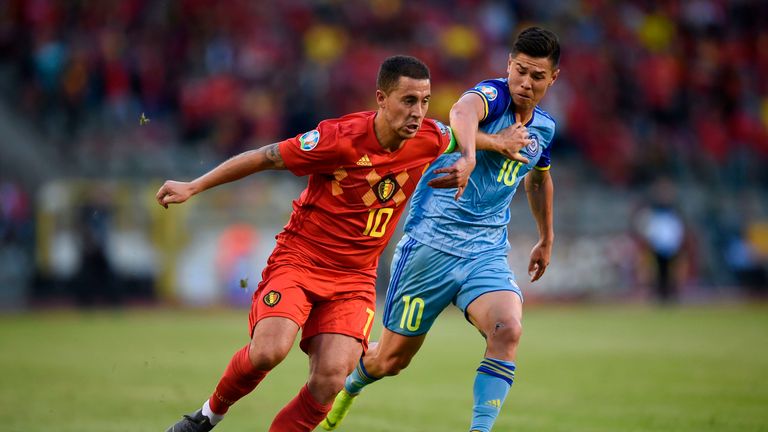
column 513, row 139
column 174, row 192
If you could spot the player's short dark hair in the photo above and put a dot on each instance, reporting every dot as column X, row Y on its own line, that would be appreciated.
column 400, row 65
column 538, row 43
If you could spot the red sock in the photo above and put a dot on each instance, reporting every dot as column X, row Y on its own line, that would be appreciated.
column 301, row 414
column 239, row 379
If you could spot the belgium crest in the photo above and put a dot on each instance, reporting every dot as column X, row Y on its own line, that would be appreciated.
column 272, row 298
column 385, row 189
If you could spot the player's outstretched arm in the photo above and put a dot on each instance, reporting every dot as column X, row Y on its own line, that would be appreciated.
column 465, row 115
column 509, row 141
column 235, row 168
column 540, row 191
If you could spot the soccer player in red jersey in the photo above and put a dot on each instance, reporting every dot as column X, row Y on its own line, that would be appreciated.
column 321, row 275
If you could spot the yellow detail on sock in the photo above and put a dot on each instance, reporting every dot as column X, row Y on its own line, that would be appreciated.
column 496, row 403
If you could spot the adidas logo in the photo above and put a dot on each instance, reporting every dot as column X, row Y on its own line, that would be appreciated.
column 496, row 403
column 364, row 161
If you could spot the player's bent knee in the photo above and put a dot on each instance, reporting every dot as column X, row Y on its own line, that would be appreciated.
column 327, row 383
column 266, row 359
column 506, row 332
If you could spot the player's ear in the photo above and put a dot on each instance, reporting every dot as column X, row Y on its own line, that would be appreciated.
column 380, row 98
column 509, row 64
column 555, row 74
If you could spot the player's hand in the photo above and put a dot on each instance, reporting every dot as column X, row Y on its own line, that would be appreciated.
column 173, row 192
column 456, row 176
column 540, row 255
column 513, row 139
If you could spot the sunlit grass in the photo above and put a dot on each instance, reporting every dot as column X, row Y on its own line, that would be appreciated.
column 591, row 369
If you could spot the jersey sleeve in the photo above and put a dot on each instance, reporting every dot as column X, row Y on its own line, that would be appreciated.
column 544, row 162
column 447, row 139
column 314, row 152
column 495, row 98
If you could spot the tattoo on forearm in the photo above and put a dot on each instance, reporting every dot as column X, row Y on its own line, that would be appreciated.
column 273, row 154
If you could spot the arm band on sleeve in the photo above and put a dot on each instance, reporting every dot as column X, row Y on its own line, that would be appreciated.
column 485, row 102
column 452, row 145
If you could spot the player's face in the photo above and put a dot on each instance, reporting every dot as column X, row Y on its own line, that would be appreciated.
column 405, row 106
column 529, row 79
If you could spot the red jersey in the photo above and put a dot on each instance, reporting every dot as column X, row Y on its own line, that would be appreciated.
column 356, row 192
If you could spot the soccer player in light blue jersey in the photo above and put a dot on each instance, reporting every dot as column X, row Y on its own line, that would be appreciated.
column 455, row 251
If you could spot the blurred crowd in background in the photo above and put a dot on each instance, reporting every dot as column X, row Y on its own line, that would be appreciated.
column 662, row 111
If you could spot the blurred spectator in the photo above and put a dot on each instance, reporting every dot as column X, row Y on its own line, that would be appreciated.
column 15, row 212
column 95, row 280
column 744, row 261
column 15, row 239
column 661, row 229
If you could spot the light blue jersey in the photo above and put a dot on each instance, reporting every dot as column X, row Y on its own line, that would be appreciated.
column 477, row 223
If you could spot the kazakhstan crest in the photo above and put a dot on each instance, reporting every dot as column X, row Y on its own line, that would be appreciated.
column 532, row 149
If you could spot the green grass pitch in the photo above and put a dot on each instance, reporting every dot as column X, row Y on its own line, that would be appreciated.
column 607, row 368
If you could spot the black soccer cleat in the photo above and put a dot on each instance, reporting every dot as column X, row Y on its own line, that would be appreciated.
column 195, row 422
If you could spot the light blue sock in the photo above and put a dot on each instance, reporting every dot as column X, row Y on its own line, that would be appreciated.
column 492, row 383
column 358, row 379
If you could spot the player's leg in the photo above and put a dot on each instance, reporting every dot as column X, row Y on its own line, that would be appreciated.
column 406, row 315
column 493, row 303
column 498, row 315
column 392, row 354
column 387, row 357
column 424, row 281
column 278, row 310
column 331, row 358
column 272, row 340
column 422, row 284
column 335, row 336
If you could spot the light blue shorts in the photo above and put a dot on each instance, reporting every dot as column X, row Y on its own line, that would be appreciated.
column 424, row 281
